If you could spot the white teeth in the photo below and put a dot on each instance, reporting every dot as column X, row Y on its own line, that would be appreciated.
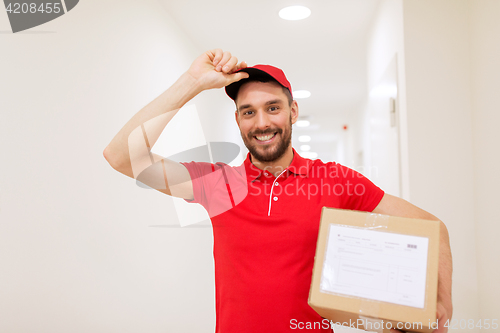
column 265, row 137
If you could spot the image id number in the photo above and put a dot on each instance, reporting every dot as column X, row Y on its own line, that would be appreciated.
column 471, row 323
column 24, row 8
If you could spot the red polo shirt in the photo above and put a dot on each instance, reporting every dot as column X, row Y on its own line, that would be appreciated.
column 265, row 232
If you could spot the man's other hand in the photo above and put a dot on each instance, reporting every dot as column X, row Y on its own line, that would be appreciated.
column 442, row 315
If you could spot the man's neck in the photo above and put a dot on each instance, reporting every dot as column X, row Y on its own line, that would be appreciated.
column 277, row 166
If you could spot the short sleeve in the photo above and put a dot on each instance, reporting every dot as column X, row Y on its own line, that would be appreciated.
column 359, row 193
column 217, row 187
column 198, row 171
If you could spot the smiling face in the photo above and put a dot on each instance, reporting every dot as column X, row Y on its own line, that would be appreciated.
column 265, row 117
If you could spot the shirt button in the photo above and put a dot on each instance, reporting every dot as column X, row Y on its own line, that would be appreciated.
column 266, row 174
column 275, row 198
column 276, row 184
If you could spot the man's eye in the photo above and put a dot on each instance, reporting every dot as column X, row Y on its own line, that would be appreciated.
column 247, row 113
column 273, row 108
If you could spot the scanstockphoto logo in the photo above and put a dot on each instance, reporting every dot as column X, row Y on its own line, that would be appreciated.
column 25, row 15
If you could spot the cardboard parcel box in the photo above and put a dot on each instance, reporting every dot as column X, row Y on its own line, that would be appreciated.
column 375, row 271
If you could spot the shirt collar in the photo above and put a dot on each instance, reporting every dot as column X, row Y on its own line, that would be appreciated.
column 299, row 166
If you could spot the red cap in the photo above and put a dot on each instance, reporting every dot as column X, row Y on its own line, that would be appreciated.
column 259, row 71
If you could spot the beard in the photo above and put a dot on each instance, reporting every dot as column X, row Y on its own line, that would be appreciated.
column 275, row 150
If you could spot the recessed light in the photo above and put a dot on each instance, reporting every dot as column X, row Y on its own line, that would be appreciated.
column 301, row 94
column 390, row 90
column 294, row 13
column 304, row 138
column 309, row 154
column 303, row 123
column 305, row 147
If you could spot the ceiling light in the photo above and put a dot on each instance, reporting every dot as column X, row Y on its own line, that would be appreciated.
column 383, row 90
column 305, row 147
column 303, row 123
column 309, row 154
column 294, row 13
column 301, row 94
column 304, row 138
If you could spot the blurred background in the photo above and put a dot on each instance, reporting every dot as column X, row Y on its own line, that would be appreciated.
column 404, row 91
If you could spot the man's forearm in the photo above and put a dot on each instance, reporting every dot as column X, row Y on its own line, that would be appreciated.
column 157, row 115
column 445, row 271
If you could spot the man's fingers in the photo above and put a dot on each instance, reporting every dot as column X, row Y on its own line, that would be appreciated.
column 224, row 61
column 226, row 56
column 240, row 76
column 231, row 65
column 241, row 65
column 442, row 316
column 217, row 56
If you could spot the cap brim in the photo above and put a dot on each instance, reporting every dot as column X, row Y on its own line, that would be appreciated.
column 233, row 88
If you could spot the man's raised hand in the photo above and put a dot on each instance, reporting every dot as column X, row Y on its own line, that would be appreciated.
column 216, row 69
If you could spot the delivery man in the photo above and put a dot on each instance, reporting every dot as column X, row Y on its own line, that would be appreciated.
column 266, row 212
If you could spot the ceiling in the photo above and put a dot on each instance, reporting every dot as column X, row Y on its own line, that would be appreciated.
column 324, row 53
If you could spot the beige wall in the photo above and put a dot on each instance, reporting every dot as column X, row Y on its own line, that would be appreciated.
column 440, row 145
column 448, row 53
column 485, row 55
column 451, row 64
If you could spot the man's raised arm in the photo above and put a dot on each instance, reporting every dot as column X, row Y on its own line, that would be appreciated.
column 130, row 150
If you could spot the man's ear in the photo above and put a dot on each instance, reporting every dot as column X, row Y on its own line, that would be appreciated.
column 294, row 111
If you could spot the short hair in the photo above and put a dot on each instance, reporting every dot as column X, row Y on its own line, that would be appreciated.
column 265, row 80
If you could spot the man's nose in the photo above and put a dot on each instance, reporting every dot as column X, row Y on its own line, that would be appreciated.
column 262, row 121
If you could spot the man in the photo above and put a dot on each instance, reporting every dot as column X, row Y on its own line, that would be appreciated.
column 264, row 213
